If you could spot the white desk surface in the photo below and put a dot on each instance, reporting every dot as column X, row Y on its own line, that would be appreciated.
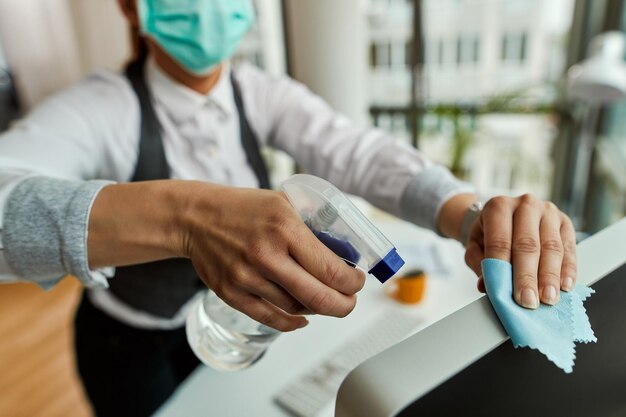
column 250, row 392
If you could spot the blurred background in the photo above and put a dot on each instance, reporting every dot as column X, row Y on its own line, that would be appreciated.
column 478, row 85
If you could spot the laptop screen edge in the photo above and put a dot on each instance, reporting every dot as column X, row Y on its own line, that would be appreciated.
column 386, row 383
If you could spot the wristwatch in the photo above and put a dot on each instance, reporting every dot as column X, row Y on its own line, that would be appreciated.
column 472, row 213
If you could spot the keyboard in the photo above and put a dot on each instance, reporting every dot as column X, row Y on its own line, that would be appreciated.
column 307, row 395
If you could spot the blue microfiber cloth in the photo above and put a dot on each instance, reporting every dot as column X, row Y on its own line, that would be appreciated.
column 552, row 330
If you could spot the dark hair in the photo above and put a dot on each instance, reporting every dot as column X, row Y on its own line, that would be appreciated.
column 134, row 69
column 140, row 46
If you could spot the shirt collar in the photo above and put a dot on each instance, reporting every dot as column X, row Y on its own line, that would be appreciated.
column 183, row 103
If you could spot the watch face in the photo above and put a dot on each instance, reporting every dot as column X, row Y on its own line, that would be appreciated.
column 476, row 207
column 470, row 217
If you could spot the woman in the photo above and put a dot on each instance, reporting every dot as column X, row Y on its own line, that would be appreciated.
column 156, row 171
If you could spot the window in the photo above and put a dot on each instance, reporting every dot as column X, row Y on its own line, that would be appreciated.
column 514, row 47
column 390, row 55
column 398, row 55
column 383, row 55
column 372, row 55
column 489, row 116
column 440, row 52
column 481, row 111
column 468, row 49
column 476, row 49
column 408, row 54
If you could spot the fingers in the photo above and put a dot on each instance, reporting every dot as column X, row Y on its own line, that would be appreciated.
column 568, row 267
column 549, row 275
column 480, row 285
column 526, row 252
column 313, row 294
column 536, row 237
column 273, row 293
column 303, row 273
column 314, row 276
column 498, row 229
column 475, row 253
column 265, row 262
column 262, row 311
column 285, row 284
column 324, row 265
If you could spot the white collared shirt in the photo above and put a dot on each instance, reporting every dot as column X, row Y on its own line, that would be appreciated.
column 92, row 131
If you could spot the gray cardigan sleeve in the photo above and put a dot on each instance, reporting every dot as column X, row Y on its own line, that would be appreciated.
column 427, row 193
column 45, row 230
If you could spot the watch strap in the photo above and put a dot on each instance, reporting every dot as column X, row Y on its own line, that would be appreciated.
column 472, row 213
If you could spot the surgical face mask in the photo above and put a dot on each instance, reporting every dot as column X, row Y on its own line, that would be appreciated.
column 199, row 34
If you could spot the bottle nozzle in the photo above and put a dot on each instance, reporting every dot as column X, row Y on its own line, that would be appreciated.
column 340, row 225
column 324, row 217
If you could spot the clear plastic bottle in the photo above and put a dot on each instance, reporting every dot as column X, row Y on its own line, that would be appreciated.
column 224, row 338
column 227, row 339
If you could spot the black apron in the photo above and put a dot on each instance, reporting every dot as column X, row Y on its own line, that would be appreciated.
column 162, row 288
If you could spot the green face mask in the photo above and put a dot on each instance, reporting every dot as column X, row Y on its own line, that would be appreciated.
column 199, row 34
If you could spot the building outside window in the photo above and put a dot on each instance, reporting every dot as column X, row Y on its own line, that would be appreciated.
column 514, row 47
column 488, row 86
column 468, row 49
column 390, row 29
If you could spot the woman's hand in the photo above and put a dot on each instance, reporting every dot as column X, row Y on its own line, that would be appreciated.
column 535, row 236
column 249, row 246
column 254, row 251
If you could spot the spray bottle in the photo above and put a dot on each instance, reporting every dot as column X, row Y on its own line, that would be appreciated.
column 227, row 339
